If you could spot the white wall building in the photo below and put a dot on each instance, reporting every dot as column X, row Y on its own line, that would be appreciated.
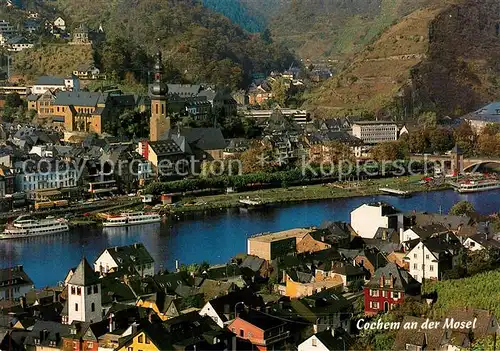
column 366, row 219
column 51, row 83
column 33, row 178
column 374, row 132
column 60, row 23
column 5, row 27
column 14, row 283
column 123, row 257
column 84, row 295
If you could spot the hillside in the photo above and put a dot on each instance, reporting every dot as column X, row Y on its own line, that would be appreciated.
column 237, row 12
column 318, row 29
column 50, row 59
column 201, row 44
column 480, row 291
column 441, row 58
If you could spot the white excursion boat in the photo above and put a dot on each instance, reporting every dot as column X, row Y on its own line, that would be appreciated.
column 473, row 186
column 26, row 226
column 131, row 218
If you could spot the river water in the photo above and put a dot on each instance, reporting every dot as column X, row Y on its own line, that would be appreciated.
column 214, row 238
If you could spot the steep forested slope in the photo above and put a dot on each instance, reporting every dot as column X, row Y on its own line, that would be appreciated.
column 238, row 13
column 198, row 43
column 445, row 57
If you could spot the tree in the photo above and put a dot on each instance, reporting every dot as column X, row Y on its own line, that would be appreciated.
column 428, row 119
column 464, row 136
column 337, row 152
column 462, row 208
column 488, row 145
column 417, row 141
column 13, row 100
column 258, row 158
column 388, row 151
column 279, row 89
column 441, row 139
column 266, row 36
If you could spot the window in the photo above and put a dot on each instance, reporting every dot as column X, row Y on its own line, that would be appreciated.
column 414, row 255
column 90, row 345
column 96, row 290
column 76, row 307
column 78, row 291
column 92, row 307
column 140, row 339
column 426, row 257
column 395, row 295
column 75, row 346
column 415, row 266
column 384, row 293
column 73, row 290
column 374, row 293
column 130, row 349
column 374, row 305
column 431, row 268
column 242, row 333
column 423, row 266
column 89, row 290
column 147, row 340
column 314, row 342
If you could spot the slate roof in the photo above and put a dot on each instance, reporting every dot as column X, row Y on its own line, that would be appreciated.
column 487, row 241
column 431, row 339
column 213, row 288
column 14, row 276
column 54, row 332
column 488, row 113
column 165, row 147
column 332, row 342
column 320, row 304
column 49, row 80
column 449, row 221
column 246, row 296
column 184, row 90
column 130, row 255
column 402, row 280
column 252, row 262
column 205, row 138
column 78, row 98
column 84, row 275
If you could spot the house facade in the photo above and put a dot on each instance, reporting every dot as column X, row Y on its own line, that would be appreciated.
column 374, row 132
column 123, row 257
column 388, row 287
column 14, row 283
column 366, row 219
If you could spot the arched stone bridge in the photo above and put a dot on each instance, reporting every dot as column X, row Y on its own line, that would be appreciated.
column 474, row 164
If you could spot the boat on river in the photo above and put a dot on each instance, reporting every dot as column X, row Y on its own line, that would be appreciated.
column 126, row 219
column 26, row 226
column 472, row 186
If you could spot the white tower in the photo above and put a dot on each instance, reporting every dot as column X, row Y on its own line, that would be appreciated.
column 84, row 295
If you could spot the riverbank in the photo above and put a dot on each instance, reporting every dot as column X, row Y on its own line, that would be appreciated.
column 371, row 187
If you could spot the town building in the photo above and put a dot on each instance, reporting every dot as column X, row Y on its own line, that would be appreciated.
column 159, row 122
column 45, row 335
column 327, row 340
column 45, row 83
column 300, row 284
column 262, row 116
column 264, row 332
column 432, row 257
column 482, row 241
column 14, row 283
column 81, row 35
column 374, row 132
column 388, row 287
column 489, row 114
column 134, row 256
column 87, row 71
column 272, row 245
column 368, row 218
column 60, row 23
column 18, row 43
column 84, row 295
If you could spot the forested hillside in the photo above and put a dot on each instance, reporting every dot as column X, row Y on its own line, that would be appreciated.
column 198, row 45
column 336, row 28
column 238, row 13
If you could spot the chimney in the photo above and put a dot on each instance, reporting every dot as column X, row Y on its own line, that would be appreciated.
column 41, row 334
column 268, row 309
column 333, row 331
column 391, row 284
column 381, row 281
column 323, row 238
column 284, row 277
column 116, row 248
column 401, row 238
column 150, row 316
column 177, row 265
column 135, row 246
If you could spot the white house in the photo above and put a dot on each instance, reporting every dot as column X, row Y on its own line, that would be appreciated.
column 481, row 242
column 366, row 219
column 45, row 83
column 124, row 257
column 431, row 258
column 209, row 311
column 60, row 23
column 18, row 43
column 327, row 340
column 84, row 295
column 14, row 283
column 422, row 232
column 46, row 174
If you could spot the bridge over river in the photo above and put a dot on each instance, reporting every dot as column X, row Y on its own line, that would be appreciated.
column 457, row 162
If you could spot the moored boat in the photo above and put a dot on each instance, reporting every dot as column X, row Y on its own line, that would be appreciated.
column 25, row 226
column 131, row 218
column 472, row 186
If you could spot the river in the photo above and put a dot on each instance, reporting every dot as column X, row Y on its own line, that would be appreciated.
column 214, row 238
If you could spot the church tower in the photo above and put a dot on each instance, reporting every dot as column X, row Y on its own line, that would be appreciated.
column 159, row 122
column 84, row 295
